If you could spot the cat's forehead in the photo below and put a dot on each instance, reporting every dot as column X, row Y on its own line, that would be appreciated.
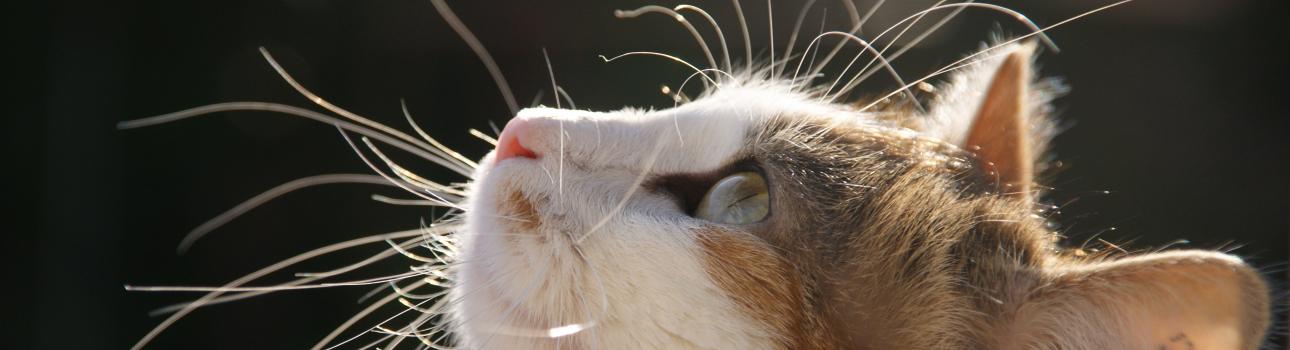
column 698, row 136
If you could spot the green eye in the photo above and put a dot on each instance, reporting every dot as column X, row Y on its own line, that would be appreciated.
column 741, row 198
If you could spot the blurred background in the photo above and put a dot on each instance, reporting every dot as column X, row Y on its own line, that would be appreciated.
column 1176, row 109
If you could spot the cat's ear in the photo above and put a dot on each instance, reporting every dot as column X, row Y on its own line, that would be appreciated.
column 1172, row 300
column 998, row 110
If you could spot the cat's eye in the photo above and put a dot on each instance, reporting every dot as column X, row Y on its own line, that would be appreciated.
column 741, row 198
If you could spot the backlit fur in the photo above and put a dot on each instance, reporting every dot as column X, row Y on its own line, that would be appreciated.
column 880, row 237
column 886, row 231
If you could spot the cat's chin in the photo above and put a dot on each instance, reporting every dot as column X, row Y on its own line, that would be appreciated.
column 491, row 320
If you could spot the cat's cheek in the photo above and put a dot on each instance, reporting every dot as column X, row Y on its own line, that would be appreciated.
column 761, row 282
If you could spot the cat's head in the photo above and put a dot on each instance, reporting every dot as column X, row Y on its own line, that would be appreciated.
column 760, row 217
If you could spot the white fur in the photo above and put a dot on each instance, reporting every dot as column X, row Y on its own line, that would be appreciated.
column 642, row 283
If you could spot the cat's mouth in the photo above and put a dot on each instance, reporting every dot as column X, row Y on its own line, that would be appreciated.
column 519, row 202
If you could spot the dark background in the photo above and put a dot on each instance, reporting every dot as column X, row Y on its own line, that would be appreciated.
column 1176, row 109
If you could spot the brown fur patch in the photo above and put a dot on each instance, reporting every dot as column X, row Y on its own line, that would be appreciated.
column 520, row 213
column 758, row 279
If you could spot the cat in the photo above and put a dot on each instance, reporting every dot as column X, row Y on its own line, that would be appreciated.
column 765, row 213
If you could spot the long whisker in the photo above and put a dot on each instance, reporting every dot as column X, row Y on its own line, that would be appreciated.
column 434, row 309
column 359, row 316
column 303, row 278
column 792, row 39
column 725, row 50
column 208, row 298
column 670, row 57
column 398, row 201
column 867, row 15
column 1017, row 15
column 806, row 82
column 271, row 194
column 297, row 112
column 743, row 25
column 482, row 136
column 855, row 29
column 770, row 37
column 879, row 54
column 867, row 47
column 370, row 281
column 346, row 113
column 400, row 184
column 403, row 105
column 480, row 51
column 866, row 72
column 551, row 71
column 959, row 64
column 676, row 101
column 559, row 90
column 413, row 307
column 712, row 62
column 398, row 338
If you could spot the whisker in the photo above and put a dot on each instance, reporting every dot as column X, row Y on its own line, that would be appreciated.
column 912, row 43
column 680, row 95
column 814, row 53
column 371, row 281
column 396, row 141
column 649, row 164
column 360, row 315
column 672, row 58
column 770, row 37
column 537, row 98
column 413, row 256
column 398, row 201
column 884, row 49
column 725, row 50
column 318, row 100
column 959, row 64
column 867, row 15
column 378, row 171
column 707, row 53
column 743, row 26
column 792, row 39
column 560, row 169
column 551, row 71
column 493, row 126
column 867, row 47
column 480, row 135
column 403, row 104
column 559, row 90
column 538, row 279
column 210, row 297
column 554, row 87
column 407, row 293
column 480, row 51
column 273, row 193
column 855, row 30
column 302, row 279
column 347, row 324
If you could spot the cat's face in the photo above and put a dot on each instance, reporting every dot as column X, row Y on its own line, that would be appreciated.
column 758, row 217
column 556, row 239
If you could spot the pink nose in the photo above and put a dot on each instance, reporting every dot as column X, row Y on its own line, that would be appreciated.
column 508, row 145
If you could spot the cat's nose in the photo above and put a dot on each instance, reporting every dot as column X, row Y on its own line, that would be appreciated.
column 508, row 144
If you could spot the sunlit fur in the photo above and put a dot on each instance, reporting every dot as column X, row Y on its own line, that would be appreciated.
column 886, row 230
column 881, row 237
